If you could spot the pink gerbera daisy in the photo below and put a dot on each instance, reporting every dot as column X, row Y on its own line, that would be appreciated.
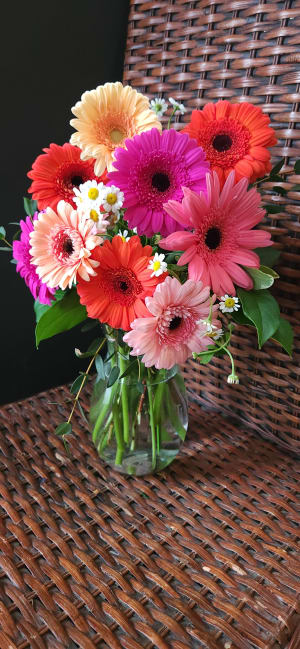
column 27, row 270
column 174, row 328
column 222, row 240
column 61, row 245
column 152, row 170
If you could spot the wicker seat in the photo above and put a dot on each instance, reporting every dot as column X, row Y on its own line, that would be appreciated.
column 241, row 51
column 204, row 555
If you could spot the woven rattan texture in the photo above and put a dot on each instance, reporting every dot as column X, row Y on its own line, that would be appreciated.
column 204, row 555
column 244, row 50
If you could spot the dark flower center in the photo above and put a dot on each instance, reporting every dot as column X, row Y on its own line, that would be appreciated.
column 68, row 246
column 175, row 322
column 213, row 238
column 222, row 142
column 161, row 182
column 76, row 181
column 124, row 287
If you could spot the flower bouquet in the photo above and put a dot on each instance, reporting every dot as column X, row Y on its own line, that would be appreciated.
column 159, row 238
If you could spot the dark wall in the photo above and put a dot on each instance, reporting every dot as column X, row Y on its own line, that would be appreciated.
column 50, row 52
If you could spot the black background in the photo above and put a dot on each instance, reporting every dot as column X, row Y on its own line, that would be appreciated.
column 50, row 53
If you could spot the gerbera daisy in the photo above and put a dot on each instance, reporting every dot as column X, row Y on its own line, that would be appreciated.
column 61, row 245
column 233, row 136
column 152, row 170
column 27, row 270
column 116, row 295
column 222, row 239
column 107, row 116
column 173, row 329
column 56, row 172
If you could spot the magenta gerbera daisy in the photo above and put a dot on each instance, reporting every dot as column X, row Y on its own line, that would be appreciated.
column 25, row 267
column 222, row 240
column 176, row 325
column 151, row 170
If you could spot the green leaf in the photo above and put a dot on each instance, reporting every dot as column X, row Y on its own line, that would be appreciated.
column 204, row 358
column 277, row 168
column 6, row 249
column 262, row 309
column 2, row 232
column 82, row 411
column 40, row 309
column 115, row 371
column 261, row 279
column 76, row 385
column 269, row 271
column 279, row 190
column 63, row 429
column 295, row 188
column 268, row 256
column 13, row 261
column 240, row 318
column 61, row 316
column 90, row 324
column 30, row 206
column 297, row 167
column 284, row 335
column 16, row 235
column 100, row 367
column 274, row 209
column 129, row 369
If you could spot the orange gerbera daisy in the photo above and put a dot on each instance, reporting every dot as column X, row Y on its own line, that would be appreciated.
column 107, row 116
column 234, row 137
column 116, row 295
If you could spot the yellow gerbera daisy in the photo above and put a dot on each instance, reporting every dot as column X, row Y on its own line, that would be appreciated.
column 105, row 117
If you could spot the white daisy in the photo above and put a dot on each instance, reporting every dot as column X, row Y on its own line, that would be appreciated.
column 124, row 235
column 212, row 331
column 112, row 199
column 229, row 304
column 158, row 265
column 94, row 214
column 177, row 106
column 233, row 378
column 159, row 106
column 88, row 194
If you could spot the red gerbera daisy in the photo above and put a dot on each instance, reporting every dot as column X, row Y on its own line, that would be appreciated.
column 234, row 137
column 116, row 295
column 56, row 172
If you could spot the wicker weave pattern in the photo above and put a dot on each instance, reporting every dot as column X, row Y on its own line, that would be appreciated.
column 243, row 50
column 205, row 555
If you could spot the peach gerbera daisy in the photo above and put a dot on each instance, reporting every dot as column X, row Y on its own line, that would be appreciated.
column 234, row 137
column 61, row 245
column 105, row 117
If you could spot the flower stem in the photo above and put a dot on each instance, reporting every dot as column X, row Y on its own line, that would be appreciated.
column 152, row 425
column 171, row 117
column 124, row 399
column 84, row 378
column 119, row 436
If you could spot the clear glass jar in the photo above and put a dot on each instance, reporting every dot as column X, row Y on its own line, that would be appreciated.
column 139, row 422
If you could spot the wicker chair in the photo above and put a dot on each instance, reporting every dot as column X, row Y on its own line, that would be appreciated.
column 241, row 51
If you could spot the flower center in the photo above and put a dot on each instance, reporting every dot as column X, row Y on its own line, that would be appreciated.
column 93, row 193
column 121, row 286
column 160, row 181
column 175, row 323
column 94, row 216
column 124, row 287
column 156, row 265
column 222, row 142
column 229, row 302
column 116, row 135
column 213, row 238
column 76, row 181
column 111, row 198
column 67, row 246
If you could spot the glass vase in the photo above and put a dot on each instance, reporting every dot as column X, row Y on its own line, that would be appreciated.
column 138, row 422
